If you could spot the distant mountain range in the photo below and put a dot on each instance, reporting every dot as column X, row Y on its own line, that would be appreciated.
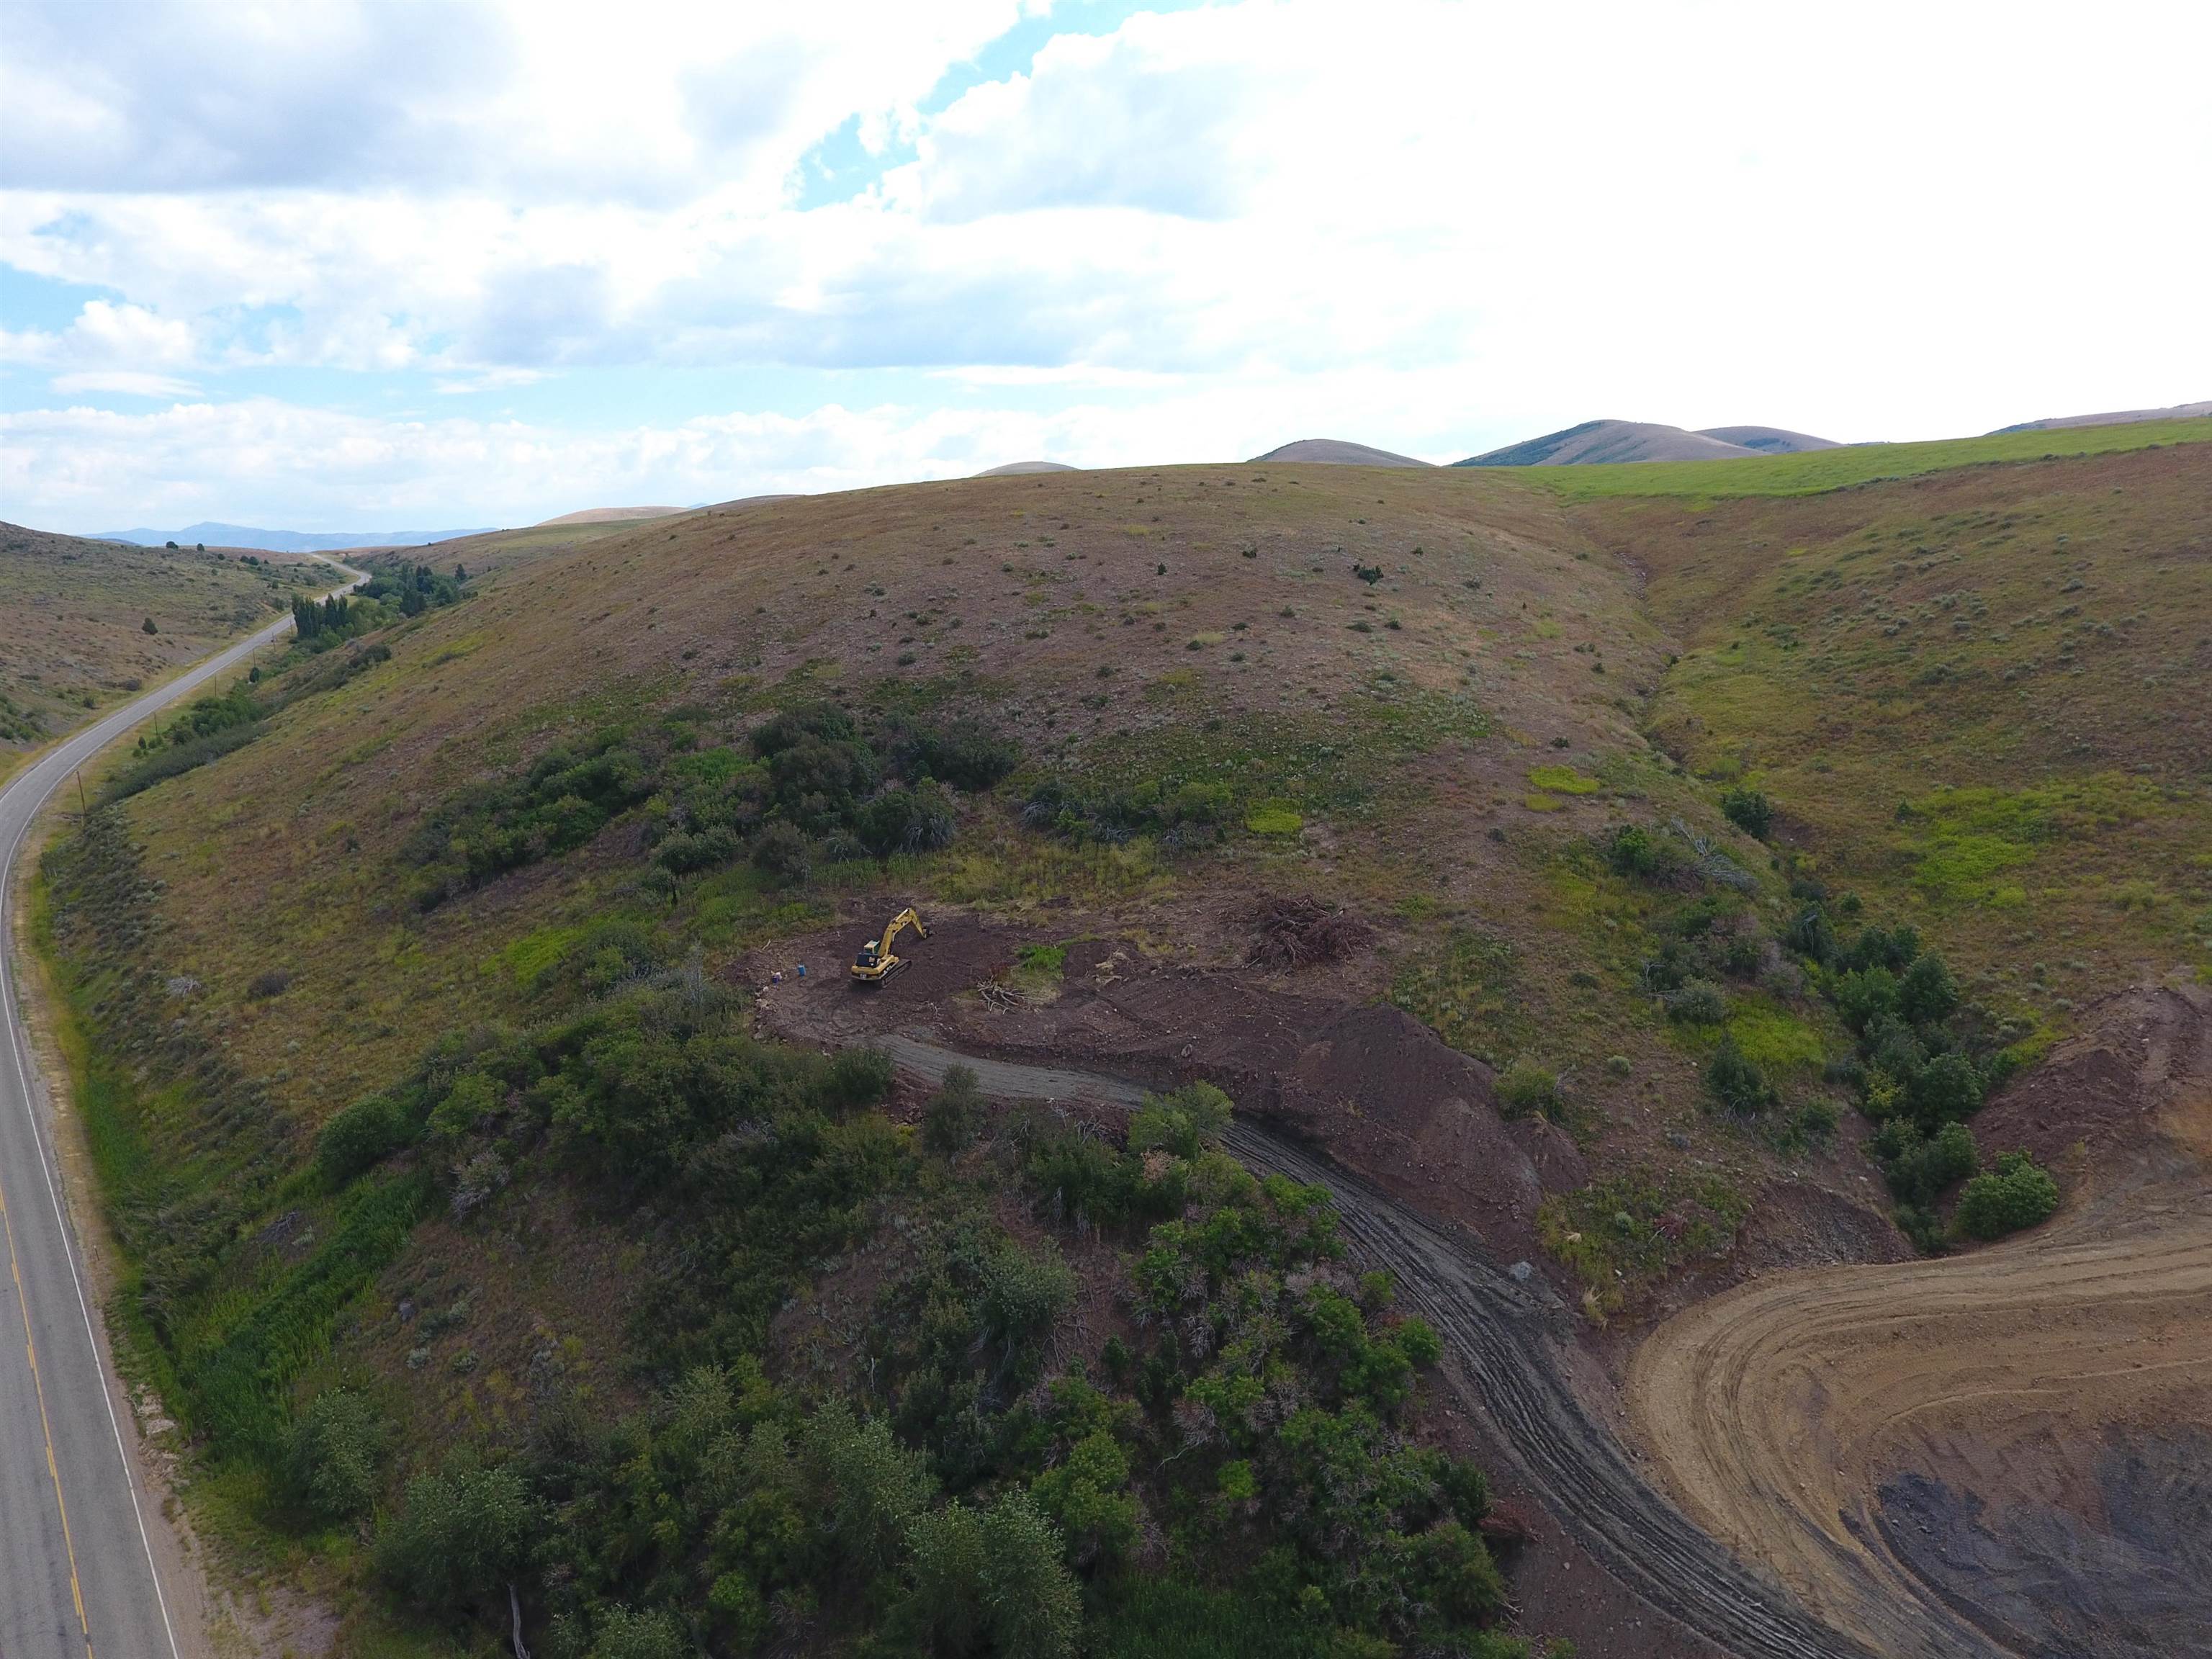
column 282, row 541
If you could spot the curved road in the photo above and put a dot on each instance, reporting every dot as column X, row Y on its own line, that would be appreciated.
column 76, row 1563
column 1505, row 1337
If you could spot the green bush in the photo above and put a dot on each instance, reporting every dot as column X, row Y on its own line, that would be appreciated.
column 954, row 1116
column 783, row 854
column 1527, row 1088
column 1700, row 1002
column 1927, row 995
column 1920, row 1167
column 2018, row 1193
column 334, row 1471
column 1737, row 1083
column 359, row 1137
column 1183, row 1122
column 457, row 1538
column 1749, row 810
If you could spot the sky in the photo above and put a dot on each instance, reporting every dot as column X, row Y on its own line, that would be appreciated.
column 338, row 267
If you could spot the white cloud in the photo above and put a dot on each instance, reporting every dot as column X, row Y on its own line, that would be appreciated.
column 1428, row 226
column 129, row 382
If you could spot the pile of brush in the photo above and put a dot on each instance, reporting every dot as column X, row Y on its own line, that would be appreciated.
column 1298, row 933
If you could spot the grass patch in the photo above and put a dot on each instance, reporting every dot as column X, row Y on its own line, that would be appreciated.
column 1563, row 781
column 1469, row 991
column 1273, row 818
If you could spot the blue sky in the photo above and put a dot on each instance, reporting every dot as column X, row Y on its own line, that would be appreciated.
column 348, row 267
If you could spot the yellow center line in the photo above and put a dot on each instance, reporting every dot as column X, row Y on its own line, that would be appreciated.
column 45, row 1425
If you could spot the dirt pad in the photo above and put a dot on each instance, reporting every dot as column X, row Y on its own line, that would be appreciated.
column 1388, row 1099
column 1999, row 1452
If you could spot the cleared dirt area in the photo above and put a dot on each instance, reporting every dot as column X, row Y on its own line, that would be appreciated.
column 2001, row 1452
column 1379, row 1090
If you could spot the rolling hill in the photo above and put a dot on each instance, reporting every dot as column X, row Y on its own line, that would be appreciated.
column 1549, row 857
column 73, row 615
column 610, row 515
column 1333, row 451
column 2118, row 417
column 1015, row 469
column 1609, row 442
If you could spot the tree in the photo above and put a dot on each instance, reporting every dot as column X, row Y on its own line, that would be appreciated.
column 147, row 627
column 781, row 853
column 1036, row 1611
column 876, row 1487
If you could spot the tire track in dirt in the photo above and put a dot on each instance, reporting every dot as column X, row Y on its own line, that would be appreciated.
column 1508, row 1340
column 1786, row 1414
column 1777, row 1410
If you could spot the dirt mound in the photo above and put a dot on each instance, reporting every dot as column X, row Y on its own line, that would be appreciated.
column 2144, row 1060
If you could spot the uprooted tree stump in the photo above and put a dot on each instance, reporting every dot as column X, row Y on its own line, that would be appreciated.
column 1298, row 933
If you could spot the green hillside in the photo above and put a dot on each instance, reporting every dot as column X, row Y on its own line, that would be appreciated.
column 1749, row 822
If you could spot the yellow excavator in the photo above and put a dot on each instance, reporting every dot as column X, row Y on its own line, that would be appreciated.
column 876, row 961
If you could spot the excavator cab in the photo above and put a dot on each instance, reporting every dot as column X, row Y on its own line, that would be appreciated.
column 876, row 961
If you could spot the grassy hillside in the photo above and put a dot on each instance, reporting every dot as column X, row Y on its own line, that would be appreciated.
column 1847, row 465
column 73, row 619
column 462, row 1195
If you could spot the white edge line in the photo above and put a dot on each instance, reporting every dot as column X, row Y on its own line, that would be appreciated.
column 8, row 1017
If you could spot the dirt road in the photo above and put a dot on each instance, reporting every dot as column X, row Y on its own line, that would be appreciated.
column 1508, row 1340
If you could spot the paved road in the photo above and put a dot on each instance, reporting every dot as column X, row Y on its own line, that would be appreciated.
column 1503, row 1335
column 76, row 1567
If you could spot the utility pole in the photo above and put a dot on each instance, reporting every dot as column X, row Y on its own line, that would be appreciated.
column 82, row 810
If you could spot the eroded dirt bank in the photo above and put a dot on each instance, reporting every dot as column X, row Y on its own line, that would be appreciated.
column 2002, row 1451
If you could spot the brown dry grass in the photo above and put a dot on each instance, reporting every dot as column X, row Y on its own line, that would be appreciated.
column 72, row 639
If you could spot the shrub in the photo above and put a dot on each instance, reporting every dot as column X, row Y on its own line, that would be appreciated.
column 360, row 1136
column 1810, row 936
column 1947, row 1089
column 781, row 853
column 1749, row 810
column 1632, row 851
column 1928, row 994
column 966, row 754
column 2019, row 1192
column 916, row 820
column 457, row 1538
column 1527, row 1088
column 651, row 1633
column 1736, row 1083
column 1865, row 995
column 875, row 1488
column 1182, row 1122
column 954, row 1114
column 1700, row 1002
column 337, row 1447
column 1919, row 1167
